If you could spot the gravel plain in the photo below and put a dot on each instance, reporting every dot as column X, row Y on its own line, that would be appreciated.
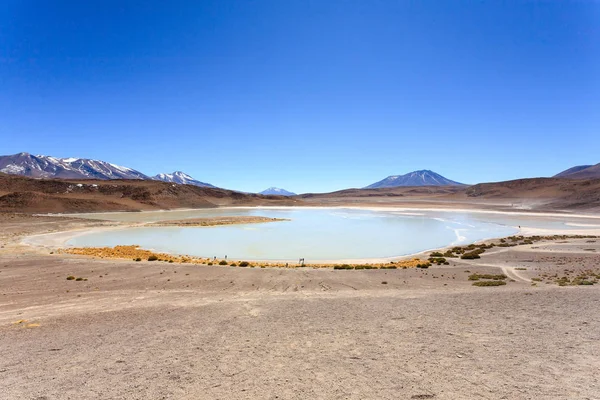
column 163, row 331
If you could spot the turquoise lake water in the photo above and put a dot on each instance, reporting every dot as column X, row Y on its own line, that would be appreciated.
column 316, row 234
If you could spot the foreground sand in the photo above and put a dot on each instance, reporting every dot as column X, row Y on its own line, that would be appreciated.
column 163, row 331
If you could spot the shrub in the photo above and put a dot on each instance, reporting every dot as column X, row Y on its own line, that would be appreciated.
column 78, row 279
column 233, row 264
column 424, row 265
column 343, row 266
column 137, row 259
column 209, row 263
column 584, row 282
column 470, row 256
column 70, row 277
column 152, row 258
column 437, row 260
column 476, row 277
column 436, row 254
column 222, row 262
column 243, row 264
column 489, row 283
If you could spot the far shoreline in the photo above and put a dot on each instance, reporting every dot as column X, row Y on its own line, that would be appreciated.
column 383, row 207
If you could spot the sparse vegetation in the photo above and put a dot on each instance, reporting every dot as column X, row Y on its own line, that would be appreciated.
column 584, row 282
column 438, row 260
column 496, row 277
column 470, row 256
column 489, row 283
column 367, row 266
column 343, row 266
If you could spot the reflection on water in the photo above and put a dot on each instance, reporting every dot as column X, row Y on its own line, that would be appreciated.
column 313, row 234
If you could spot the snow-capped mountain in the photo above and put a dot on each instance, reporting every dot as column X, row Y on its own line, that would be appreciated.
column 415, row 178
column 277, row 191
column 181, row 178
column 66, row 168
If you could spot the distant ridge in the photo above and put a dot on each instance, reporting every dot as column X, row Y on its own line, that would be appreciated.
column 581, row 172
column 415, row 178
column 30, row 195
column 180, row 178
column 277, row 192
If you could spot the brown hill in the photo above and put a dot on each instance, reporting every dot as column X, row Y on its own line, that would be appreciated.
column 22, row 194
column 581, row 172
column 535, row 194
column 545, row 193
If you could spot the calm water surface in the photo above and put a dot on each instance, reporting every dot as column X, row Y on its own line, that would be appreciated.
column 313, row 234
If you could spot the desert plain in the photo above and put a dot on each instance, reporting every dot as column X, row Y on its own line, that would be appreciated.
column 122, row 329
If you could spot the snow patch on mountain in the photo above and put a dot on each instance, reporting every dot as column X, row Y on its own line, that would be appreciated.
column 180, row 178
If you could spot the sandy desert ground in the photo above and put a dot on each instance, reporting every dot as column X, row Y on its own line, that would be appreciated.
column 175, row 331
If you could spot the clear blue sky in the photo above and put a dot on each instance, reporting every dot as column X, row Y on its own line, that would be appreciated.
column 306, row 95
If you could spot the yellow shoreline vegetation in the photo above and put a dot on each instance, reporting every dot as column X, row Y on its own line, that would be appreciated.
column 134, row 252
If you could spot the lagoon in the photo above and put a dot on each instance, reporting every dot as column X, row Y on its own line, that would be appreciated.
column 316, row 234
column 319, row 234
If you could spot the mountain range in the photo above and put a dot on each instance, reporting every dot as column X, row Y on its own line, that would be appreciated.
column 40, row 166
column 65, row 168
column 82, row 168
column 277, row 192
column 415, row 178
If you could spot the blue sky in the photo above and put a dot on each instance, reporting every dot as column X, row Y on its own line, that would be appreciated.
column 306, row 95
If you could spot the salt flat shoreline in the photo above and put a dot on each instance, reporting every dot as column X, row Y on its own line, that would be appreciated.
column 405, row 207
column 58, row 240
